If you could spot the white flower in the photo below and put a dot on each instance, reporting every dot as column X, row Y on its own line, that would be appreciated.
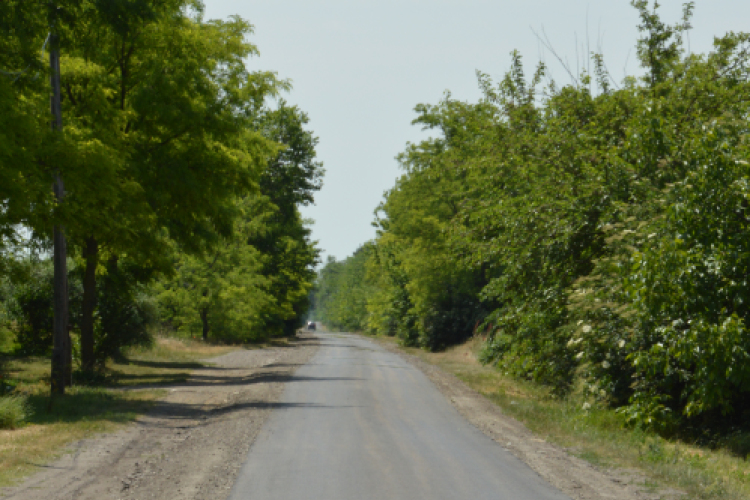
column 586, row 328
column 579, row 355
column 621, row 344
column 586, row 406
column 579, row 322
column 605, row 364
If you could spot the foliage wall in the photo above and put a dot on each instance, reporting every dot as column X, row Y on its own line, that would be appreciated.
column 595, row 232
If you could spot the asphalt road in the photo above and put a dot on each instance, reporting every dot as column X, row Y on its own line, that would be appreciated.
column 360, row 423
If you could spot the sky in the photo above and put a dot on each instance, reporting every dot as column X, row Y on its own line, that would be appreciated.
column 358, row 68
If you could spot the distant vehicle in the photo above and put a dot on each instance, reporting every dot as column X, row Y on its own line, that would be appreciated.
column 311, row 326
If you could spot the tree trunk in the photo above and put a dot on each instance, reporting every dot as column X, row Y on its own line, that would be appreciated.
column 204, row 319
column 60, row 370
column 61, row 336
column 91, row 254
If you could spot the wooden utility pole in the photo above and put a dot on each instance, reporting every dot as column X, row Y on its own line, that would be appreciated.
column 61, row 346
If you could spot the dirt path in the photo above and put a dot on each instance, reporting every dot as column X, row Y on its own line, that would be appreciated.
column 190, row 446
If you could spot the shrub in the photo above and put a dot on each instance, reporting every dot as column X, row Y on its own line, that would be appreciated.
column 31, row 306
column 528, row 342
column 14, row 410
column 451, row 321
column 32, row 309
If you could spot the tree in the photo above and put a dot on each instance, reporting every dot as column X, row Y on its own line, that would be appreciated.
column 222, row 293
column 290, row 179
column 256, row 284
column 342, row 292
column 165, row 104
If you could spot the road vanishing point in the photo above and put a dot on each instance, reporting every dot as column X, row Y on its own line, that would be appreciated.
column 360, row 423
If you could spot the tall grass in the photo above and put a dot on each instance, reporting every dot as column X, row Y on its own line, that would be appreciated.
column 14, row 410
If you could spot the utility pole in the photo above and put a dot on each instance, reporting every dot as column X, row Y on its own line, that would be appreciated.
column 61, row 345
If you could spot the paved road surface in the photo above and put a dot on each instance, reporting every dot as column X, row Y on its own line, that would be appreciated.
column 360, row 423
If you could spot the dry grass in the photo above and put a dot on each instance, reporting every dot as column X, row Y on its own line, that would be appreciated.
column 85, row 411
column 598, row 434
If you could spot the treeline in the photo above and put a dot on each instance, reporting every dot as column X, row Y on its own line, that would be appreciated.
column 596, row 233
column 183, row 173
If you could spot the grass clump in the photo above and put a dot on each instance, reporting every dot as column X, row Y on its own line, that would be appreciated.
column 14, row 410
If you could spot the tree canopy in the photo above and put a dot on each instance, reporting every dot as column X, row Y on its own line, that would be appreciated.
column 183, row 178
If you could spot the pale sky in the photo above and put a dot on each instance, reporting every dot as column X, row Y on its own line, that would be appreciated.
column 359, row 67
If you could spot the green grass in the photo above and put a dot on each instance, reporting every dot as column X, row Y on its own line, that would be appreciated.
column 14, row 411
column 51, row 425
column 598, row 434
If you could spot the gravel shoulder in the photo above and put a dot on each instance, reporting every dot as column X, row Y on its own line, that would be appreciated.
column 189, row 446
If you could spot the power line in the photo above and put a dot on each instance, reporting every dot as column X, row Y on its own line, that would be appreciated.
column 19, row 74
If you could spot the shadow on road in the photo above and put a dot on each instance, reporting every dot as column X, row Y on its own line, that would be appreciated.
column 201, row 380
column 169, row 412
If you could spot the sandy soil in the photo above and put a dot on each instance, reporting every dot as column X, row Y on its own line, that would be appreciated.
column 190, row 446
column 573, row 476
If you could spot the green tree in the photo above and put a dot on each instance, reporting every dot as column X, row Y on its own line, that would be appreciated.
column 166, row 104
column 290, row 180
column 221, row 293
column 342, row 292
column 599, row 230
column 256, row 284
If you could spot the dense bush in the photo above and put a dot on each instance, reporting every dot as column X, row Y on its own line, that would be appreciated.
column 32, row 311
column 452, row 319
column 123, row 316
